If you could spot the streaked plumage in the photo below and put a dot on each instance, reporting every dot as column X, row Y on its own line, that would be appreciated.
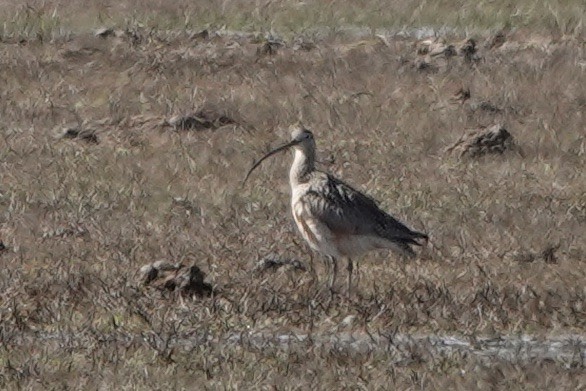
column 335, row 219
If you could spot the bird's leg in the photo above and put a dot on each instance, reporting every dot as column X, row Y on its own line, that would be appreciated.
column 312, row 268
column 350, row 269
column 328, row 265
column 334, row 272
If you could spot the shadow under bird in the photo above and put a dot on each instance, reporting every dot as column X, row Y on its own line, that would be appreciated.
column 335, row 219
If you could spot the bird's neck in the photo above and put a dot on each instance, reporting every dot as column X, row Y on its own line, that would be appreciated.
column 303, row 166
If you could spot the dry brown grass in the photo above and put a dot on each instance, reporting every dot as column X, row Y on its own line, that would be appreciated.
column 58, row 17
column 81, row 215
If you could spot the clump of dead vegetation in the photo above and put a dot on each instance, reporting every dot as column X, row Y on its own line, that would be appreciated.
column 270, row 46
column 433, row 52
column 548, row 255
column 188, row 281
column 274, row 262
column 496, row 40
column 81, row 132
column 202, row 119
column 490, row 140
column 93, row 131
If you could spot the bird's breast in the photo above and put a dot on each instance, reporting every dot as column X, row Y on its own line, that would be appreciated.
column 315, row 232
column 305, row 228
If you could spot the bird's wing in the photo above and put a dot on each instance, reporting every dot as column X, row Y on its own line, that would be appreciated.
column 345, row 210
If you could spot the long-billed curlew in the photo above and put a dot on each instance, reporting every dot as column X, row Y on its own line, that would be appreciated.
column 335, row 219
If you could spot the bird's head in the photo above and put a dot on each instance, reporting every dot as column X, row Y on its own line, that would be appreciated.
column 301, row 139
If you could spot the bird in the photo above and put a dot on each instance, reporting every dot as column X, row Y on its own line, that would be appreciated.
column 334, row 218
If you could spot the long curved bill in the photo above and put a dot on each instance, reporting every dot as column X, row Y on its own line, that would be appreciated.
column 271, row 153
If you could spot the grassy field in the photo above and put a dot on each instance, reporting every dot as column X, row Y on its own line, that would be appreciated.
column 49, row 18
column 80, row 215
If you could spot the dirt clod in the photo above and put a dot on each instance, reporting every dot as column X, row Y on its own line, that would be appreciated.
column 269, row 47
column 548, row 255
column 467, row 49
column 187, row 280
column 461, row 96
column 304, row 45
column 273, row 262
column 497, row 40
column 484, row 106
column 488, row 140
column 203, row 34
column 78, row 132
column 437, row 51
column 104, row 32
column 200, row 120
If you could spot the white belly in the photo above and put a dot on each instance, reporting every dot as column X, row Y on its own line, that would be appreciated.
column 317, row 235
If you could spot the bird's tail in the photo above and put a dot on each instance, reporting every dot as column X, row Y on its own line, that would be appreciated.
column 411, row 238
column 403, row 245
column 419, row 235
